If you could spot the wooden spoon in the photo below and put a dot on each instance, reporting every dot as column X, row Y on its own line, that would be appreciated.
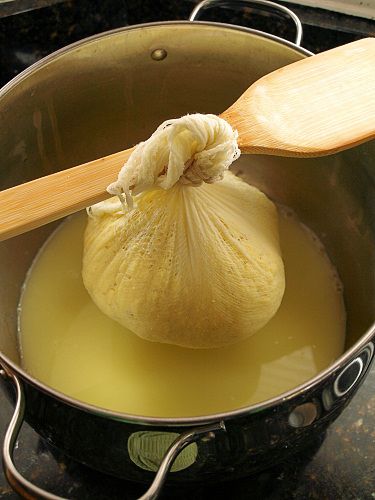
column 313, row 107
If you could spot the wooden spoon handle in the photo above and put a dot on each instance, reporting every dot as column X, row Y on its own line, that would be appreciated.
column 44, row 200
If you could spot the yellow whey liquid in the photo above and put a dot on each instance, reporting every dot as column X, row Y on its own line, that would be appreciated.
column 68, row 344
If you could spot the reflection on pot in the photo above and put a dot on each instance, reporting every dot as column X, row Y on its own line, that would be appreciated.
column 147, row 449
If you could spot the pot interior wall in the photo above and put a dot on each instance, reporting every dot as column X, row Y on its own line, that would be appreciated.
column 109, row 93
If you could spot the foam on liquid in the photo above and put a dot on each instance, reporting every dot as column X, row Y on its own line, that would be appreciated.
column 68, row 344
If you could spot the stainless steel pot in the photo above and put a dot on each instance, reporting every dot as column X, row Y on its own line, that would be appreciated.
column 106, row 93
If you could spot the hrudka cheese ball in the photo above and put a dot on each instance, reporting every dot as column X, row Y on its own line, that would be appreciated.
column 196, row 261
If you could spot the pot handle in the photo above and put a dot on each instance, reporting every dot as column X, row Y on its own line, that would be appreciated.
column 30, row 491
column 19, row 484
column 205, row 4
column 174, row 450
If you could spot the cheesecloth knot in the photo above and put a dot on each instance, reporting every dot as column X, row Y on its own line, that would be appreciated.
column 192, row 149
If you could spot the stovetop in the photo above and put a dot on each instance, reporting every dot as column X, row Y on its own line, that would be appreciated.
column 341, row 465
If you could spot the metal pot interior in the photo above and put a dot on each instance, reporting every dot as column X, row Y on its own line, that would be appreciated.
column 109, row 92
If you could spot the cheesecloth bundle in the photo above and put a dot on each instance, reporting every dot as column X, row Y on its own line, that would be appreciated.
column 186, row 253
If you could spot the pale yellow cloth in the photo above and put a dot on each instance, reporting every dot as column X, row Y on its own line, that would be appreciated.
column 197, row 262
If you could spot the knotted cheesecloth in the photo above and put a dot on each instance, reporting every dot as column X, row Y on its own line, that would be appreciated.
column 186, row 253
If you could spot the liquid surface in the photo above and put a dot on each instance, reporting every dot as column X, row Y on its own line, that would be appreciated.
column 67, row 343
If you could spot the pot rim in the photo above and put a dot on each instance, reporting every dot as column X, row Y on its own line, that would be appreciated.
column 173, row 421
